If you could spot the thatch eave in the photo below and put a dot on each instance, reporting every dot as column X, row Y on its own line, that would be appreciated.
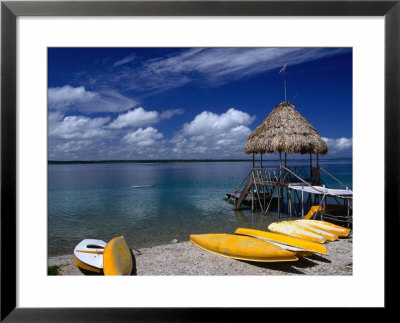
column 285, row 130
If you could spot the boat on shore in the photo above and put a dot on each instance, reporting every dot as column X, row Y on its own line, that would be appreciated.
column 327, row 226
column 96, row 256
column 117, row 258
column 284, row 241
column 296, row 231
column 242, row 247
column 329, row 236
column 88, row 255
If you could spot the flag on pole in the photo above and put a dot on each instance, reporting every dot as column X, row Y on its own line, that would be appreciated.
column 283, row 70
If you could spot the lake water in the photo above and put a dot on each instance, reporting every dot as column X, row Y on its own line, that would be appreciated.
column 152, row 203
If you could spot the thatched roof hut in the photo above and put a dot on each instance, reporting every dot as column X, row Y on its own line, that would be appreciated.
column 285, row 130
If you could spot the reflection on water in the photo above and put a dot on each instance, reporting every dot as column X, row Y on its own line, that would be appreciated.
column 150, row 204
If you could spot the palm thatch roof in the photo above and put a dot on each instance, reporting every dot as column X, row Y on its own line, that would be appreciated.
column 285, row 130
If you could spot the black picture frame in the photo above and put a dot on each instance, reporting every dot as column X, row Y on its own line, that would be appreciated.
column 10, row 10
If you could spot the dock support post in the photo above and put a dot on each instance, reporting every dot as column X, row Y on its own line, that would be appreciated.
column 279, row 201
column 252, row 194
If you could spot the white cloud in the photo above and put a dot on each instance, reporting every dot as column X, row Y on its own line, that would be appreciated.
column 54, row 116
column 135, row 118
column 234, row 136
column 214, row 135
column 168, row 114
column 78, row 127
column 82, row 137
column 339, row 144
column 67, row 95
column 208, row 123
column 79, row 99
column 215, row 66
column 125, row 60
column 140, row 117
column 71, row 146
column 143, row 137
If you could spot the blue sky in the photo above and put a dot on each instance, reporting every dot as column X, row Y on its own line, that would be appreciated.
column 189, row 103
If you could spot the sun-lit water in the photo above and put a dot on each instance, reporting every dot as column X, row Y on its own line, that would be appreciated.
column 151, row 203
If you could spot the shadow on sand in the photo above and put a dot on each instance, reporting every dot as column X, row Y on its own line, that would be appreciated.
column 291, row 267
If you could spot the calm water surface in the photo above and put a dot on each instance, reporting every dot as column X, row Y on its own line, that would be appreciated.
column 153, row 203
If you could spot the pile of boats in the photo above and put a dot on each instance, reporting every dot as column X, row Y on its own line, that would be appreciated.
column 98, row 257
column 287, row 241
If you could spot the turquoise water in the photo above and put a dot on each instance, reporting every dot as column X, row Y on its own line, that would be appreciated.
column 151, row 203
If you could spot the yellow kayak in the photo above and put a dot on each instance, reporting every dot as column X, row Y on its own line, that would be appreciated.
column 296, row 231
column 306, row 226
column 241, row 247
column 117, row 258
column 327, row 226
column 284, row 240
column 312, row 210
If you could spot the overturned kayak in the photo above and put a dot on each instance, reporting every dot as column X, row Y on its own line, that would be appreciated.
column 312, row 211
column 284, row 241
column 117, row 258
column 296, row 231
column 327, row 226
column 306, row 226
column 241, row 247
column 88, row 255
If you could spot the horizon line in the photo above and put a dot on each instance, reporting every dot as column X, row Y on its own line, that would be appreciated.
column 175, row 160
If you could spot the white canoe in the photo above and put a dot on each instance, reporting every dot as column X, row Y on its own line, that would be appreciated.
column 307, row 226
column 327, row 226
column 88, row 255
column 292, row 230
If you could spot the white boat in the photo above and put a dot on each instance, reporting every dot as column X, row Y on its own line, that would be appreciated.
column 88, row 255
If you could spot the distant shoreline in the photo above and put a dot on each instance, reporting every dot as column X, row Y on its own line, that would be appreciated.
column 143, row 161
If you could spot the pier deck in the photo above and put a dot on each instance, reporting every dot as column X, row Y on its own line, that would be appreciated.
column 249, row 198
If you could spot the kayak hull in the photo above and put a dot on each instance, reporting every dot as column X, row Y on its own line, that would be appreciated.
column 117, row 258
column 284, row 240
column 88, row 255
column 306, row 226
column 312, row 211
column 327, row 226
column 296, row 231
column 241, row 247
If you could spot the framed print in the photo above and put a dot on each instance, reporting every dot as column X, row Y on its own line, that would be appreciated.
column 82, row 140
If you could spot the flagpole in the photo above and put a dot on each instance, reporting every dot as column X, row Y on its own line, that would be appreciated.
column 284, row 80
column 283, row 71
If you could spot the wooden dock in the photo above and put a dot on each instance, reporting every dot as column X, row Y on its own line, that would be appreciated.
column 249, row 197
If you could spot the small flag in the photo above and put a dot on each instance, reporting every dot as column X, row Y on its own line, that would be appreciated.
column 283, row 70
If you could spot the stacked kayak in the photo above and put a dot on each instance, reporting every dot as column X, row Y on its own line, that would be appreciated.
column 287, row 241
column 295, row 231
column 311, row 230
column 327, row 226
column 300, row 246
column 99, row 257
column 242, row 247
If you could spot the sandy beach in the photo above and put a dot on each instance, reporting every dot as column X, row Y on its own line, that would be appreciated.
column 184, row 258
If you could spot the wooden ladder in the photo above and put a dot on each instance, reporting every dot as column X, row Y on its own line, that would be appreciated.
column 244, row 193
